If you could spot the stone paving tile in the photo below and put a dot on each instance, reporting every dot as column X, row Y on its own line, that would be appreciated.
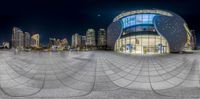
column 98, row 75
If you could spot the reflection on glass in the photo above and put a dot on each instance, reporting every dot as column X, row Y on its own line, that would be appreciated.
column 142, row 44
column 138, row 20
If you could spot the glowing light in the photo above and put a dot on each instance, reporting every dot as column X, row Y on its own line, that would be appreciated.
column 138, row 20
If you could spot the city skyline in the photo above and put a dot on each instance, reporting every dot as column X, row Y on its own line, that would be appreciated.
column 100, row 49
column 62, row 18
column 25, row 40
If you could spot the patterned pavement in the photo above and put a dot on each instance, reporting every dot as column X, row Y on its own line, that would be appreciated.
column 98, row 75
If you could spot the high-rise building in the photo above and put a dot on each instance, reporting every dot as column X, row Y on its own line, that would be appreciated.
column 17, row 38
column 83, row 41
column 35, row 40
column 90, row 38
column 76, row 40
column 64, row 43
column 27, row 40
column 101, row 38
column 52, row 42
column 73, row 41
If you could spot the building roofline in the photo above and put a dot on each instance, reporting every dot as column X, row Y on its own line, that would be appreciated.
column 140, row 11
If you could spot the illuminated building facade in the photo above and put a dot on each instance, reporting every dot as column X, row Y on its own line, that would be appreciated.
column 57, row 44
column 64, row 43
column 17, row 38
column 6, row 45
column 83, row 41
column 27, row 40
column 52, row 42
column 35, row 40
column 90, row 38
column 148, row 32
column 76, row 40
column 102, row 38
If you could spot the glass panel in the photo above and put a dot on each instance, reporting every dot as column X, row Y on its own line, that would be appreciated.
column 145, row 19
column 142, row 44
column 138, row 19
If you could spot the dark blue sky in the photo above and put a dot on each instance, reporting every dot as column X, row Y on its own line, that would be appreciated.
column 62, row 18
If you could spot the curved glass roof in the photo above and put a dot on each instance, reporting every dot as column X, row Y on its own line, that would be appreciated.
column 161, row 12
column 138, row 19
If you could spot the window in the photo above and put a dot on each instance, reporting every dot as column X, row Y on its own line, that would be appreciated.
column 138, row 20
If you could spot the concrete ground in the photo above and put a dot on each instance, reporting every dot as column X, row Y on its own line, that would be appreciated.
column 98, row 75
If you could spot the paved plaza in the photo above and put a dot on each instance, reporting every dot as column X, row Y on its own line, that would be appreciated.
column 98, row 75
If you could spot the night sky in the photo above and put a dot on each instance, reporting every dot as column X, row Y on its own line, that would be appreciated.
column 62, row 18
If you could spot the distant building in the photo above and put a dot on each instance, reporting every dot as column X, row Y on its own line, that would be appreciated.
column 35, row 40
column 27, row 40
column 57, row 44
column 17, row 38
column 76, row 40
column 83, row 41
column 6, row 45
column 51, row 42
column 101, row 38
column 90, row 38
column 64, row 43
column 73, row 41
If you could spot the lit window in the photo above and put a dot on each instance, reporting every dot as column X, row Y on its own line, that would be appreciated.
column 138, row 19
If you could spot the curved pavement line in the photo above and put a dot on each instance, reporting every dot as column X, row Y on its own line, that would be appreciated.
column 27, row 95
column 125, row 87
column 74, row 72
column 156, row 92
column 179, row 68
column 90, row 91
column 20, row 74
column 167, row 88
column 19, row 84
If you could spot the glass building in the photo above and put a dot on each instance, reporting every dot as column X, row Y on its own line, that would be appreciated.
column 139, row 36
column 148, row 32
